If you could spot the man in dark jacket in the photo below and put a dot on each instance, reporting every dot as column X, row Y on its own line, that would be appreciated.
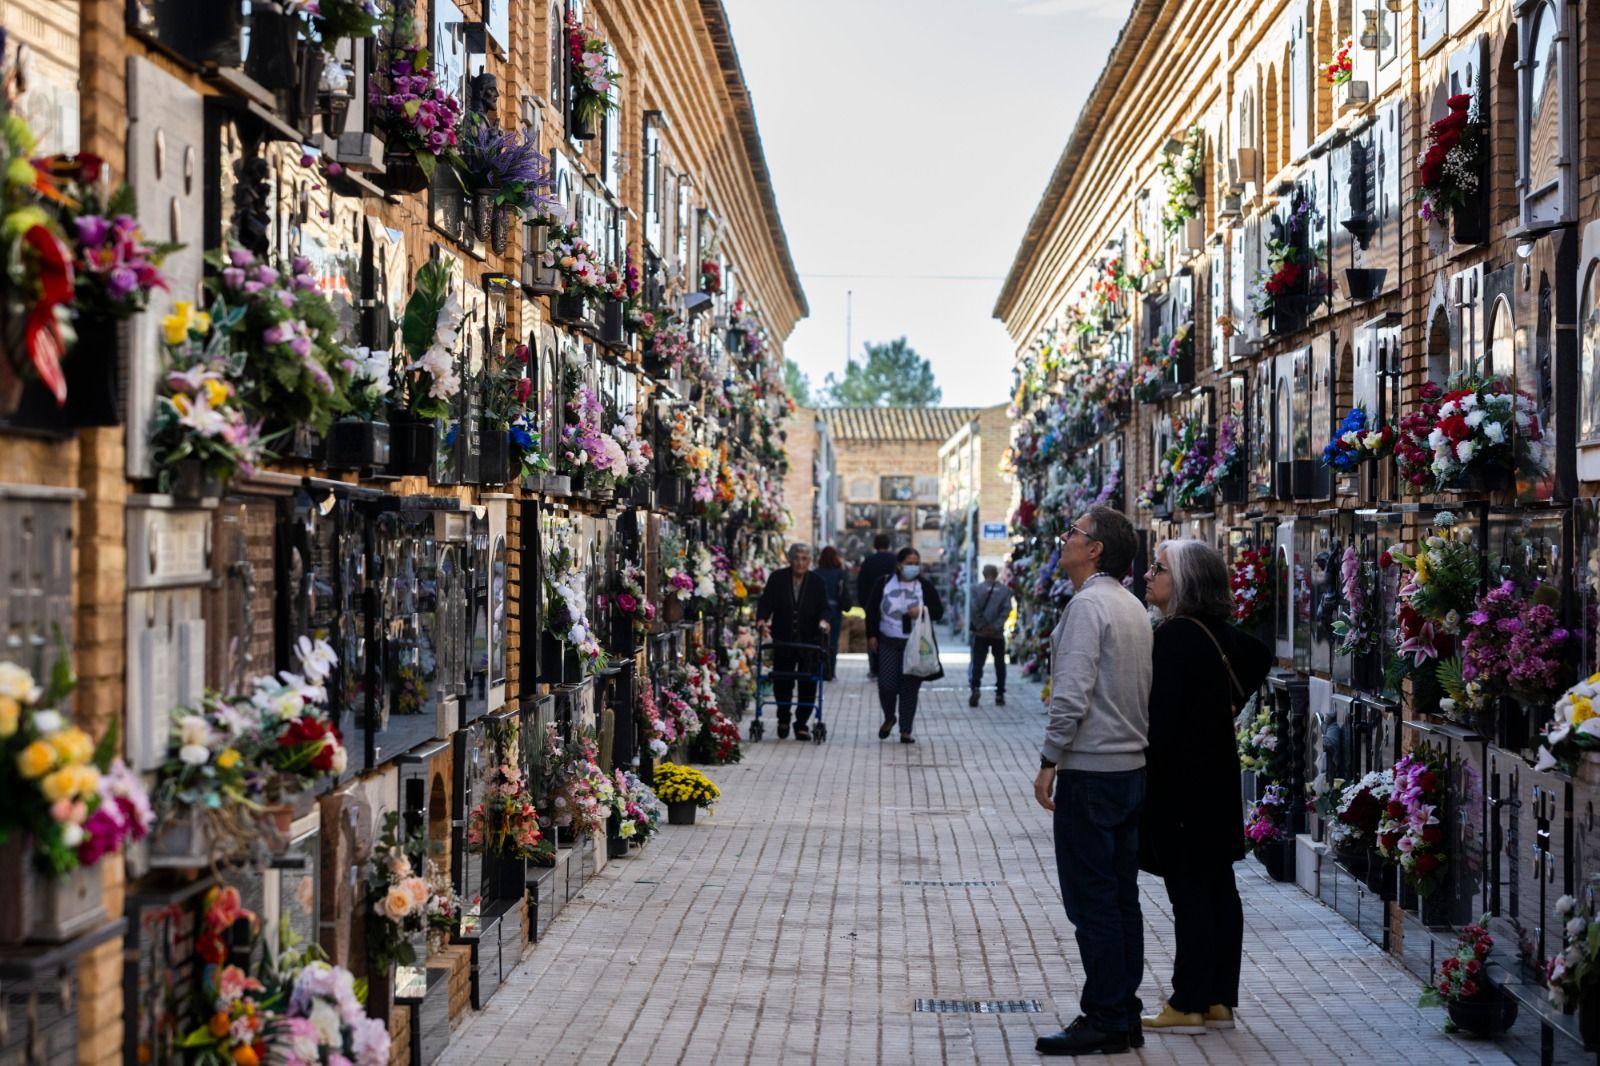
column 874, row 568
column 991, row 606
column 794, row 605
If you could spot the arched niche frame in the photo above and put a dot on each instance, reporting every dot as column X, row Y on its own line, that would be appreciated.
column 1588, row 355
column 1439, row 333
column 1546, row 145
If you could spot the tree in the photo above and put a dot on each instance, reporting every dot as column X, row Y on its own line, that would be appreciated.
column 892, row 375
column 798, row 384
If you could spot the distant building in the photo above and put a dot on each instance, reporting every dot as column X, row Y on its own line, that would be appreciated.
column 975, row 499
column 810, row 488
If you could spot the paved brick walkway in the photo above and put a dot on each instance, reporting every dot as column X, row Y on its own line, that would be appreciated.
column 783, row 928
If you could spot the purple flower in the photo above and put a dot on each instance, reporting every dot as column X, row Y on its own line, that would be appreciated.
column 233, row 277
column 92, row 230
column 278, row 333
column 266, row 275
column 121, row 282
column 241, row 257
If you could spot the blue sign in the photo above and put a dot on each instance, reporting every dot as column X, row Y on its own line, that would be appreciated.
column 994, row 531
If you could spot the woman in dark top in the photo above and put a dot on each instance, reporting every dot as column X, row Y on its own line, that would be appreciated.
column 1193, row 826
column 893, row 604
column 830, row 568
column 794, row 607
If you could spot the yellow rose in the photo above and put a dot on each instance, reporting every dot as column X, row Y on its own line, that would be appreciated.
column 228, row 759
column 10, row 712
column 216, row 393
column 88, row 781
column 35, row 759
column 59, row 785
column 72, row 745
column 175, row 327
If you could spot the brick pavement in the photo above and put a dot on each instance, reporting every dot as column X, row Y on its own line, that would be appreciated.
column 781, row 929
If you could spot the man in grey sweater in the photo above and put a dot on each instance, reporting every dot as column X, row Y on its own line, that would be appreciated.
column 991, row 606
column 1092, row 776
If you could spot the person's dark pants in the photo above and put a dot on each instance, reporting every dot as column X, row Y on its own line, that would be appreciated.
column 1208, row 923
column 1097, row 860
column 897, row 693
column 981, row 646
column 794, row 659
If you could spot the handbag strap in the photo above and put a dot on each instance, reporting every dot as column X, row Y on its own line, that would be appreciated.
column 1233, row 678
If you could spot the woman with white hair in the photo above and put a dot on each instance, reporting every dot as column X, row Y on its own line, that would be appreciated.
column 1193, row 827
column 795, row 606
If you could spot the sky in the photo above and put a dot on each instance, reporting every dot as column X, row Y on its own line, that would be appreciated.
column 909, row 142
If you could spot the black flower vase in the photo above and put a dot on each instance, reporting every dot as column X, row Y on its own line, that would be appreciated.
column 568, row 307
column 188, row 480
column 1491, row 1013
column 354, row 444
column 413, row 446
column 579, row 128
column 611, row 324
column 483, row 214
column 494, row 456
column 500, row 232
column 93, row 372
column 402, row 174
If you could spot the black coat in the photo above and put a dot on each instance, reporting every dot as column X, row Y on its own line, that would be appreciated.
column 873, row 603
column 794, row 620
column 874, row 568
column 1193, row 812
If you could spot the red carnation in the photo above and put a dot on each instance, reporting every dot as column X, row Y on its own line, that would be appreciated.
column 1426, row 864
column 1396, row 809
column 1431, row 390
column 1428, row 781
column 1473, row 966
column 1469, row 989
column 1459, row 102
column 1432, row 834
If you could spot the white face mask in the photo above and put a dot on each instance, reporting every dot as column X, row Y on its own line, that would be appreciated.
column 909, row 571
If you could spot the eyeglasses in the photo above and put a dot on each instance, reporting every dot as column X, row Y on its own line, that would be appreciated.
column 1157, row 568
column 1067, row 536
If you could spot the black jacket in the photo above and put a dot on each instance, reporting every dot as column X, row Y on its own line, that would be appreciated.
column 1193, row 811
column 874, row 568
column 792, row 619
column 873, row 603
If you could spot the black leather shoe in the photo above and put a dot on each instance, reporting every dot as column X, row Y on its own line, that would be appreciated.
column 907, row 738
column 1136, row 1036
column 1082, row 1038
column 883, row 730
column 783, row 729
column 972, row 700
column 802, row 732
column 999, row 699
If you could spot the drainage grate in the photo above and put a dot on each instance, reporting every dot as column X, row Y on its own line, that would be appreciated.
column 952, row 884
column 978, row 1006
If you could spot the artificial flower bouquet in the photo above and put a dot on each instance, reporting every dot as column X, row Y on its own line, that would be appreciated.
column 676, row 783
column 1515, row 644
column 1359, row 439
column 298, row 740
column 586, row 448
column 369, row 376
column 335, row 20
column 1410, row 834
column 1341, row 69
column 580, row 265
column 1227, row 455
column 1268, row 818
column 416, row 115
column 1573, row 729
column 567, row 611
column 1438, row 591
column 287, row 331
column 1251, row 582
column 1357, row 627
column 636, row 806
column 580, row 792
column 1258, row 742
column 1188, row 460
column 1451, row 173
column 593, row 72
column 505, row 823
column 199, row 414
column 430, row 332
column 631, row 600
column 1573, row 974
column 71, row 797
column 1182, row 175
column 678, row 715
column 1481, row 424
column 1463, row 976
column 506, row 164
column 398, row 897
column 1359, row 808
column 656, row 731
column 115, row 269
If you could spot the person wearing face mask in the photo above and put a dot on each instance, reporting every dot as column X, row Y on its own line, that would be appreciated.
column 893, row 605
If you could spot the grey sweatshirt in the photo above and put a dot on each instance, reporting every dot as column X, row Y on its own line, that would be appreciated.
column 1099, row 681
column 991, row 605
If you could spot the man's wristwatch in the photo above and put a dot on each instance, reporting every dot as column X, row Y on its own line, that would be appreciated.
column 1046, row 764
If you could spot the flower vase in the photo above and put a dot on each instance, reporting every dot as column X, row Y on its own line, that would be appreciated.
column 1433, row 910
column 1380, row 875
column 1469, row 223
column 1275, row 857
column 568, row 308
column 1363, row 283
column 505, row 878
column 277, row 824
column 189, row 481
column 1589, row 1016
column 1491, row 1013
column 612, row 333
column 93, row 370
column 36, row 907
column 500, row 231
column 356, row 445
column 414, row 442
column 402, row 174
column 681, row 813
column 1353, row 860
column 672, row 610
column 654, row 365
column 483, row 214
column 494, row 457
column 579, row 126
column 1480, row 479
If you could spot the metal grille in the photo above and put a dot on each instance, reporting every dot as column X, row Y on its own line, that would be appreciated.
column 952, row 884
column 978, row 1006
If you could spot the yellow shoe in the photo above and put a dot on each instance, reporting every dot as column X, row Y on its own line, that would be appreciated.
column 1174, row 1021
column 1219, row 1017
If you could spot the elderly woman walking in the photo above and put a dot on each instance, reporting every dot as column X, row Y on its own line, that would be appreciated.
column 794, row 606
column 1192, row 834
column 893, row 604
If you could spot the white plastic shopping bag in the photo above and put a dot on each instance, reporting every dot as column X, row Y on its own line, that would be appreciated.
column 922, row 651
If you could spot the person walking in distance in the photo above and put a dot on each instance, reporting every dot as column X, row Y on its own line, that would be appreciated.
column 874, row 568
column 830, row 568
column 794, row 609
column 893, row 606
column 1091, row 775
column 991, row 606
column 1193, row 829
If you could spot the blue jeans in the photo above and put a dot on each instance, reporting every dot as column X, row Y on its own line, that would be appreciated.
column 1097, row 860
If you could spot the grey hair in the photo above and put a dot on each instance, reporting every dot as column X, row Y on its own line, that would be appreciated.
column 1199, row 580
column 990, row 570
column 796, row 548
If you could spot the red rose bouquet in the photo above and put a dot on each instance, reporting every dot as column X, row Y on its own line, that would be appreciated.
column 1451, row 170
